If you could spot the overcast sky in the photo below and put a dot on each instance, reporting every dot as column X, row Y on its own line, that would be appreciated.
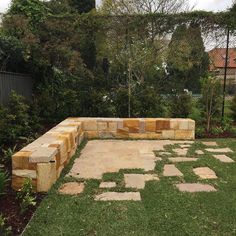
column 210, row 5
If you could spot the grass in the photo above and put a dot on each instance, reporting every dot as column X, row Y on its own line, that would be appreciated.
column 163, row 210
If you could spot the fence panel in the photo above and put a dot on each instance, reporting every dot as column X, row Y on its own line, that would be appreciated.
column 21, row 83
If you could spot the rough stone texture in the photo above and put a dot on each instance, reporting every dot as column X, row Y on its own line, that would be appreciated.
column 43, row 154
column 114, row 196
column 210, row 144
column 224, row 158
column 138, row 181
column 72, row 188
column 195, row 187
column 182, row 159
column 107, row 185
column 181, row 151
column 205, row 173
column 107, row 156
column 219, row 150
column 25, row 173
column 171, row 170
column 199, row 152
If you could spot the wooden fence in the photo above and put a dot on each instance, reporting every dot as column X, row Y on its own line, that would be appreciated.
column 22, row 84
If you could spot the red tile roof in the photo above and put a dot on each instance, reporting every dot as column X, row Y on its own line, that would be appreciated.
column 217, row 58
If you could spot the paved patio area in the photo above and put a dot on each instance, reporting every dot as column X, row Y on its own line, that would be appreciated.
column 100, row 157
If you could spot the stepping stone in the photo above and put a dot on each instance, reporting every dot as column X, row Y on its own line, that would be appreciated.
column 107, row 185
column 210, row 144
column 185, row 146
column 165, row 153
column 182, row 159
column 194, row 188
column 224, row 158
column 219, row 150
column 205, row 173
column 137, row 181
column 114, row 196
column 72, row 188
column 171, row 170
column 158, row 159
column 199, row 152
column 181, row 151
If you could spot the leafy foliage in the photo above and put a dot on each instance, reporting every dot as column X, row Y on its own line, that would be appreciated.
column 4, row 229
column 25, row 195
column 180, row 105
column 4, row 179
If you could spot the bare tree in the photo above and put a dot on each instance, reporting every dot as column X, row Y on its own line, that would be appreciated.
column 118, row 7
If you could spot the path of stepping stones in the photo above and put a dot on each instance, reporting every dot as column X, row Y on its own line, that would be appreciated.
column 110, row 156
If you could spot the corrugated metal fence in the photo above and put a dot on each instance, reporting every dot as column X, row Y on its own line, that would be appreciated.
column 22, row 84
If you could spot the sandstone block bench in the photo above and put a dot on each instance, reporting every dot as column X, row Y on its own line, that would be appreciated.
column 44, row 159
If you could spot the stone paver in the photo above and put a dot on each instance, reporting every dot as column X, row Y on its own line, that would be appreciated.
column 165, row 153
column 219, row 150
column 138, row 181
column 114, row 196
column 182, row 159
column 185, row 145
column 181, row 151
column 171, row 170
column 210, row 144
column 199, row 152
column 107, row 185
column 108, row 156
column 72, row 188
column 205, row 173
column 224, row 158
column 195, row 187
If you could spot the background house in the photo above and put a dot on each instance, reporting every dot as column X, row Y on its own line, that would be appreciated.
column 217, row 64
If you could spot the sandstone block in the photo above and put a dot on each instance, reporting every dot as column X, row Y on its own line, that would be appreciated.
column 90, row 125
column 184, row 134
column 102, row 126
column 162, row 124
column 46, row 176
column 20, row 160
column 150, row 125
column 168, row 134
column 43, row 155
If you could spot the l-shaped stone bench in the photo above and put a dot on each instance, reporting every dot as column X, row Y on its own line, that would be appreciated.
column 44, row 159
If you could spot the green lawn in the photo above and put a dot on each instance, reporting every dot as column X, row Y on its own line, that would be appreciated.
column 163, row 209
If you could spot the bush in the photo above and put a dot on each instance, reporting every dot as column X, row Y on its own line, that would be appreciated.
column 233, row 108
column 180, row 105
column 25, row 195
column 4, row 229
column 3, row 181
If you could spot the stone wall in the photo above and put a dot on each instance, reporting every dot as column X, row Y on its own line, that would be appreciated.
column 45, row 158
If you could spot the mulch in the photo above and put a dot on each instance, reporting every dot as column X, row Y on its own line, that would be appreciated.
column 10, row 209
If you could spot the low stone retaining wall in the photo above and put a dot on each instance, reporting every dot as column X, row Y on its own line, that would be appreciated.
column 45, row 158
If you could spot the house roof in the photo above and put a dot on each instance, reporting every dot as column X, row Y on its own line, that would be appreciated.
column 217, row 58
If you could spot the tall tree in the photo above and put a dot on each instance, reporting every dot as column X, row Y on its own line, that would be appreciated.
column 144, row 6
column 187, row 59
column 83, row 6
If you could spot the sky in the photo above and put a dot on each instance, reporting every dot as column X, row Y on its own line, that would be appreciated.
column 210, row 5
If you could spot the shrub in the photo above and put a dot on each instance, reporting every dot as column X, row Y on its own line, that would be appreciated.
column 7, row 155
column 180, row 105
column 25, row 195
column 14, row 120
column 233, row 108
column 4, row 229
column 3, row 181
